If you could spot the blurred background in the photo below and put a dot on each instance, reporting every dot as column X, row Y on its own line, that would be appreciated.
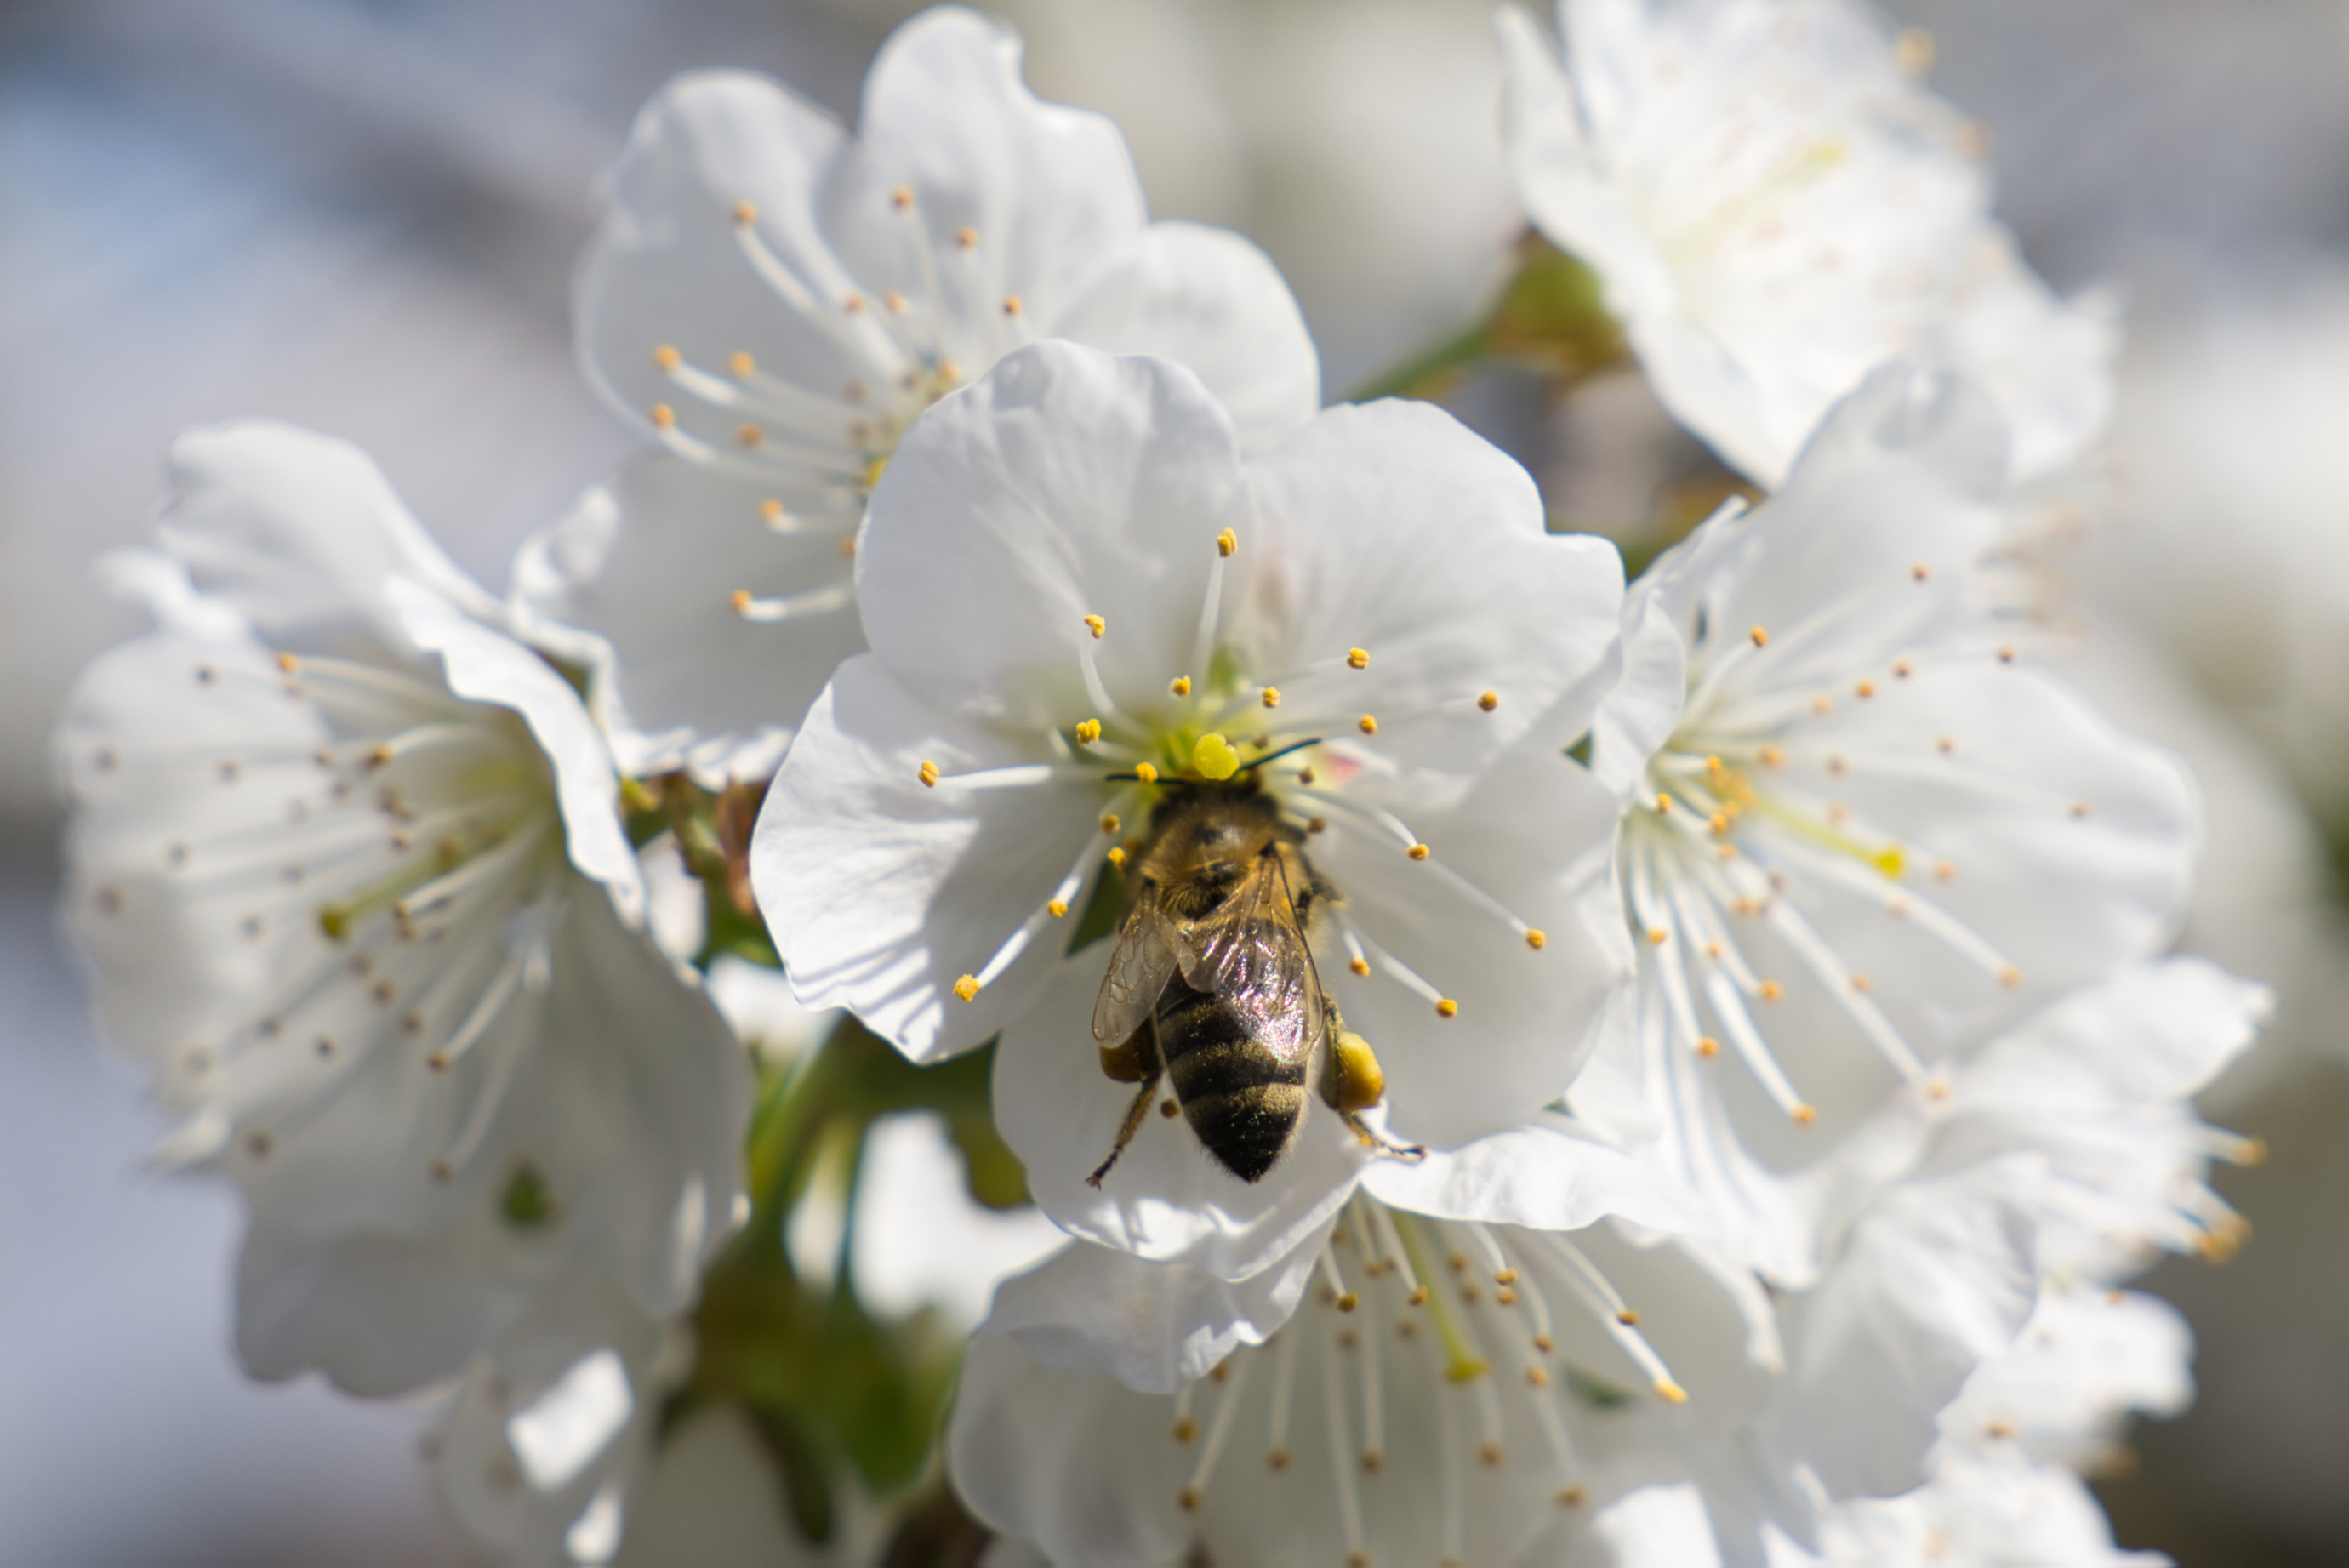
column 360, row 215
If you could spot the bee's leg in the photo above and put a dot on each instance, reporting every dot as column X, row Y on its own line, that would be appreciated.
column 1354, row 1083
column 1135, row 1061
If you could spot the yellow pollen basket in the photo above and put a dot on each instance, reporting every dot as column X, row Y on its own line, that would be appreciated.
column 1213, row 757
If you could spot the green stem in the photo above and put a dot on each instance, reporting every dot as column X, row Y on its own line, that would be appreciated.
column 1425, row 372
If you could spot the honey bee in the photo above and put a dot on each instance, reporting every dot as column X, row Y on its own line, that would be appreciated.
column 1211, row 984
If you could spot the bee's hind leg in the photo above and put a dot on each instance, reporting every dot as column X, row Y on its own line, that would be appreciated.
column 1355, row 1083
column 1135, row 1061
column 1127, row 1128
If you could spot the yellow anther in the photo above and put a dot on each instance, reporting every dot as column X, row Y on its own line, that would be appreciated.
column 1804, row 1115
column 1358, row 658
column 770, row 511
column 1823, row 704
column 1771, row 756
column 1772, row 990
column 948, row 373
column 1707, row 1046
column 966, row 987
column 1913, row 52
column 1191, row 1499
column 901, row 197
column 667, row 358
column 740, row 599
column 967, row 238
column 1271, row 697
column 1862, row 982
column 1761, row 637
column 1656, row 936
column 751, row 435
column 1417, row 851
column 2006, row 654
column 1213, row 757
column 848, row 547
column 2251, row 1152
column 1571, row 1497
column 1316, row 824
column 1943, row 871
column 1902, row 669
column 1627, row 1318
column 1537, row 1376
column 1720, row 824
column 1664, row 801
column 929, row 773
column 2080, row 810
column 1713, row 765
column 873, row 473
column 1117, row 856
column 1088, row 732
column 1185, row 1429
column 1670, row 1392
column 1864, row 690
column 1147, row 773
column 1180, row 686
column 1946, row 745
column 1361, row 966
column 1226, row 542
column 741, row 365
column 664, row 417
column 745, row 213
column 1109, row 824
column 1417, row 1297
column 1057, row 909
column 1491, row 1455
column 1488, row 700
column 2010, row 977
column 1536, row 939
column 1011, row 305
column 853, row 304
column 895, row 301
column 1096, row 626
column 1348, row 1301
column 1368, row 724
column 288, row 663
column 1446, row 1007
column 1889, row 860
column 1920, row 571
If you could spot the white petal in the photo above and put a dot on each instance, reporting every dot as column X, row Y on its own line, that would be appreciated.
column 1392, row 527
column 665, row 266
column 1063, row 483
column 883, row 893
column 922, row 1239
column 300, row 533
column 1547, row 1175
column 1048, row 189
column 488, row 666
column 1153, row 1327
column 1938, row 1278
column 1212, row 300
column 1071, row 1463
column 649, row 566
column 1532, row 837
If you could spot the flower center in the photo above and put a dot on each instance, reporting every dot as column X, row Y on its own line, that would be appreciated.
column 1429, row 1351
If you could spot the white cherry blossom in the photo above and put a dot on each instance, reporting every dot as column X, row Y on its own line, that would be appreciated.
column 1078, row 592
column 1775, row 207
column 775, row 300
column 1468, row 1392
column 1861, row 829
column 346, row 863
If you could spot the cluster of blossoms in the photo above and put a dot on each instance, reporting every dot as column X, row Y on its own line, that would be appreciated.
column 1528, row 1070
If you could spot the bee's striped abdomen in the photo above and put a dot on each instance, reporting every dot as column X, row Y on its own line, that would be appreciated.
column 1242, row 1100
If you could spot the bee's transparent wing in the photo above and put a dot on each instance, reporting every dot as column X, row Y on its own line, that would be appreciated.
column 1138, row 970
column 1252, row 954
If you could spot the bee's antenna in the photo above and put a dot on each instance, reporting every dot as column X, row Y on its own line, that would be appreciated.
column 1275, row 756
